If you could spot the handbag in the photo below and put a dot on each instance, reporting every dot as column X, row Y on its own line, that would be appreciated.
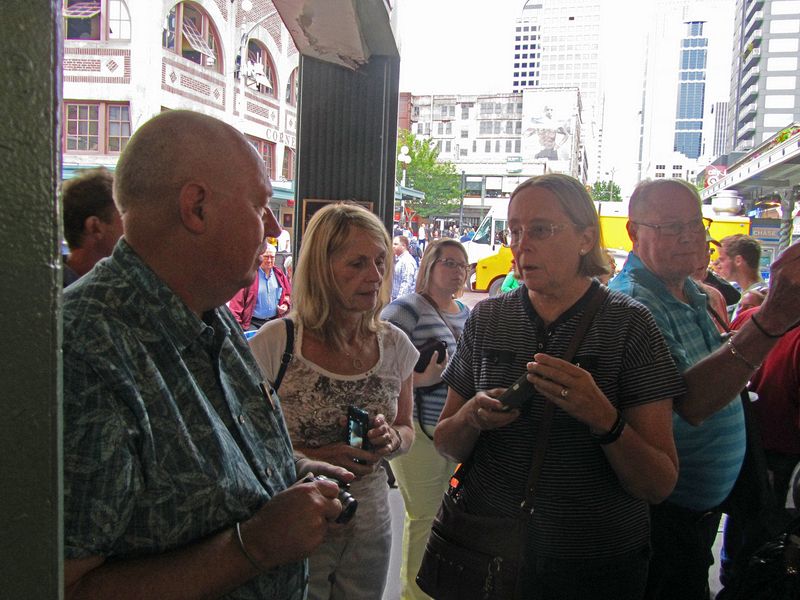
column 476, row 557
column 773, row 571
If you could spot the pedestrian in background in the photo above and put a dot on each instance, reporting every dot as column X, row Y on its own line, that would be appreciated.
column 92, row 224
column 266, row 298
column 404, row 274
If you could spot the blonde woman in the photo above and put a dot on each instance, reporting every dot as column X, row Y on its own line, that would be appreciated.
column 433, row 312
column 343, row 355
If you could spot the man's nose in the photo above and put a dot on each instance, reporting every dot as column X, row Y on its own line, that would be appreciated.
column 271, row 226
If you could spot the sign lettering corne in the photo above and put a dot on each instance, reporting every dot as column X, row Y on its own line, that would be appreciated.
column 273, row 135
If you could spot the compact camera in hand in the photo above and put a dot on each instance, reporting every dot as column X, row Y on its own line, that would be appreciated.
column 349, row 504
column 518, row 394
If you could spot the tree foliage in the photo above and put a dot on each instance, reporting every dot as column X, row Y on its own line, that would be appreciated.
column 439, row 181
column 606, row 191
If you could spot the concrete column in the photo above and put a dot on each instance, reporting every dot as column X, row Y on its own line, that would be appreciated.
column 30, row 296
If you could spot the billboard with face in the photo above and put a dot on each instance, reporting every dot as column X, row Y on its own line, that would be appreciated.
column 549, row 121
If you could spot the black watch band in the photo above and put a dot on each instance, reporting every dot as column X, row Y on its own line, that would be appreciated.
column 613, row 434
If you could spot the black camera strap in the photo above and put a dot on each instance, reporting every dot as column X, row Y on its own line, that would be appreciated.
column 288, row 353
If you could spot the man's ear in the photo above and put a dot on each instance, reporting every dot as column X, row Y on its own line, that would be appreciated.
column 92, row 227
column 633, row 231
column 738, row 261
column 192, row 205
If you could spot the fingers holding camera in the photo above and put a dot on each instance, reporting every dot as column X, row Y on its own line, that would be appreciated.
column 302, row 513
column 485, row 412
column 573, row 390
column 384, row 438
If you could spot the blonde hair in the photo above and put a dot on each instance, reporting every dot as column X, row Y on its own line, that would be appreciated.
column 433, row 251
column 578, row 206
column 316, row 296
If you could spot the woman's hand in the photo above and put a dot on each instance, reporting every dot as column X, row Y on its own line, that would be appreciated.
column 573, row 390
column 356, row 460
column 462, row 421
column 643, row 456
column 432, row 373
column 483, row 411
column 384, row 438
column 307, row 466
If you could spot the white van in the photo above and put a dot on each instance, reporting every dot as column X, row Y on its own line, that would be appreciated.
column 488, row 236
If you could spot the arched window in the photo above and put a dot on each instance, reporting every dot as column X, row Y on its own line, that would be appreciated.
column 292, row 88
column 188, row 31
column 96, row 20
column 260, row 70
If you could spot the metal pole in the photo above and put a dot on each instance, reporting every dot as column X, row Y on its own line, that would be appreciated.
column 461, row 208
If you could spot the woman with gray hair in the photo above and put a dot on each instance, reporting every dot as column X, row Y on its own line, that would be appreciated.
column 345, row 360
column 432, row 313
column 609, row 450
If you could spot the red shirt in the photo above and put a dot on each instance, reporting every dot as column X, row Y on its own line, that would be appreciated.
column 777, row 384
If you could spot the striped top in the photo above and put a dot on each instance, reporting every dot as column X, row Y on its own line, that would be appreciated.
column 579, row 496
column 420, row 322
column 711, row 454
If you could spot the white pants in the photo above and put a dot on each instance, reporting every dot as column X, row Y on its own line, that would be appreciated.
column 352, row 563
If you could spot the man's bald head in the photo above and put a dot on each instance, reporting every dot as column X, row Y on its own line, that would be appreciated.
column 171, row 149
column 640, row 205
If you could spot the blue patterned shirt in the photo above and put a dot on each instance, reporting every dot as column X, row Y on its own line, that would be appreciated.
column 168, row 435
column 711, row 454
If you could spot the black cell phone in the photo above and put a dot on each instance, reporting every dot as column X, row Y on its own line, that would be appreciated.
column 357, row 428
column 426, row 351
column 517, row 394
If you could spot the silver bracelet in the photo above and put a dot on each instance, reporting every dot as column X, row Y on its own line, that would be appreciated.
column 735, row 352
column 247, row 555
column 399, row 441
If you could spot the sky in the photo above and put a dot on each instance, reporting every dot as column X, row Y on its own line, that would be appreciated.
column 466, row 47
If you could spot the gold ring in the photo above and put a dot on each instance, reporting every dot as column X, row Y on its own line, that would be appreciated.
column 564, row 393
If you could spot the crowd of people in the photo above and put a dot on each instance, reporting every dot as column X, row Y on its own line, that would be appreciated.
column 201, row 464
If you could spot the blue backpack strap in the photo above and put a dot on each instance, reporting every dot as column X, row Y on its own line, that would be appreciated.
column 288, row 352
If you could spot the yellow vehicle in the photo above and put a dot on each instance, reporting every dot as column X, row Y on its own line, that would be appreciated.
column 491, row 270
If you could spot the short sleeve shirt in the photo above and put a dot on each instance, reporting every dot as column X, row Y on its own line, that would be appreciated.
column 420, row 322
column 579, row 497
column 169, row 436
column 315, row 399
column 710, row 455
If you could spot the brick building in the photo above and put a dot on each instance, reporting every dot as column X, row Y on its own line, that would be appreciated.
column 126, row 61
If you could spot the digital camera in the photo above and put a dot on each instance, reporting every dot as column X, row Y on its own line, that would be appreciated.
column 349, row 504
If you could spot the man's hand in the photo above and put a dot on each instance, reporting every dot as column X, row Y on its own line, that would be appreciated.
column 781, row 310
column 292, row 524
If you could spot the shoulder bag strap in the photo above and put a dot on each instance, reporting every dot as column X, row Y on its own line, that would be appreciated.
column 549, row 408
column 441, row 316
column 288, row 353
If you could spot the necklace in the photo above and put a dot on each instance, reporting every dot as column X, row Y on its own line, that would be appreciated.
column 356, row 360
